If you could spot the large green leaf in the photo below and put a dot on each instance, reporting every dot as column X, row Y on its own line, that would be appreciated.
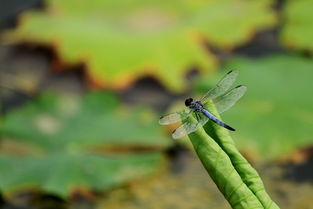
column 275, row 116
column 122, row 40
column 72, row 142
column 61, row 173
column 298, row 30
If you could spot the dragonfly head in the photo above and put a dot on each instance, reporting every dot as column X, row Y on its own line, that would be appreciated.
column 188, row 102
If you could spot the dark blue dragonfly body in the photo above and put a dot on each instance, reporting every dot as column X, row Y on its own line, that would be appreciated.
column 198, row 108
column 213, row 118
column 222, row 99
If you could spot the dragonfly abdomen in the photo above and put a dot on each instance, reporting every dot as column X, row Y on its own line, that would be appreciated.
column 217, row 121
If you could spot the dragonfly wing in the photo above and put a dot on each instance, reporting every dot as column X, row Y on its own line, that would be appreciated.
column 226, row 101
column 174, row 117
column 189, row 127
column 223, row 85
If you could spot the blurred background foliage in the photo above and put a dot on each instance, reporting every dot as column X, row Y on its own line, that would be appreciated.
column 82, row 85
column 120, row 41
column 59, row 135
column 297, row 31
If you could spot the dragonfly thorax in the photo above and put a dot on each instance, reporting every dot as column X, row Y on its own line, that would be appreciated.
column 194, row 105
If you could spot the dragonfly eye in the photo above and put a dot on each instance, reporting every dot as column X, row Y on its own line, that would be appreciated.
column 188, row 102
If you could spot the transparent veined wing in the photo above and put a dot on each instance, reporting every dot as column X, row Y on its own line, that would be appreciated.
column 174, row 117
column 226, row 101
column 223, row 85
column 189, row 127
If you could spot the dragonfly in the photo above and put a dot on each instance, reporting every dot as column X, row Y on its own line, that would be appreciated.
column 223, row 99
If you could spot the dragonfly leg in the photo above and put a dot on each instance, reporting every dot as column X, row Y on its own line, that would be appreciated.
column 197, row 116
